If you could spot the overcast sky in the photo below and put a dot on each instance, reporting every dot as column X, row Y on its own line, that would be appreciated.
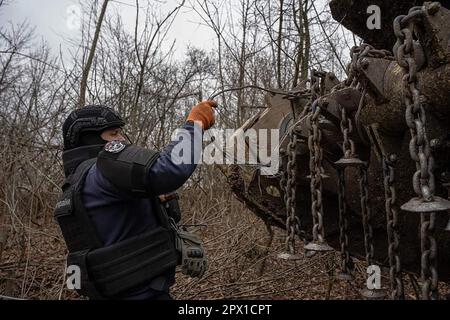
column 54, row 20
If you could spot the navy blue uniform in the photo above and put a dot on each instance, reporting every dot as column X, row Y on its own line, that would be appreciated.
column 117, row 217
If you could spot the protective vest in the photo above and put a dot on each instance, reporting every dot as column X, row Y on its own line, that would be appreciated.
column 116, row 269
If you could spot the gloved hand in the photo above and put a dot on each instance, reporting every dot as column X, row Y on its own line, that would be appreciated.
column 204, row 113
column 193, row 259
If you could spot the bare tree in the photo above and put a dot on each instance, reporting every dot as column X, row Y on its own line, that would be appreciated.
column 260, row 45
column 87, row 67
column 301, row 21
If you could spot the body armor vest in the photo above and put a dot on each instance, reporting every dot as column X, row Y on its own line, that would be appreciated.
column 115, row 269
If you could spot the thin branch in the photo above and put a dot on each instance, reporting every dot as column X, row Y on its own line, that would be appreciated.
column 32, row 58
column 328, row 38
column 287, row 94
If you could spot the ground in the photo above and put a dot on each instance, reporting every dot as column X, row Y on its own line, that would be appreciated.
column 240, row 264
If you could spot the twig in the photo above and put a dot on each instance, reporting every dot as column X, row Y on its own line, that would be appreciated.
column 329, row 40
column 301, row 286
column 32, row 58
column 273, row 92
column 2, row 297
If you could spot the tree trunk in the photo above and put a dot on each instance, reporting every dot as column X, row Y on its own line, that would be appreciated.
column 280, row 36
column 307, row 43
column 87, row 67
column 242, row 65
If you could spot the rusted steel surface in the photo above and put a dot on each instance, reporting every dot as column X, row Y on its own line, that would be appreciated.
column 353, row 15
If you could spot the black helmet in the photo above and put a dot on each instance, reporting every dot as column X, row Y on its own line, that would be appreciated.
column 90, row 120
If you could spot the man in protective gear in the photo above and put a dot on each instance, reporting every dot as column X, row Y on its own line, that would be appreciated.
column 118, row 211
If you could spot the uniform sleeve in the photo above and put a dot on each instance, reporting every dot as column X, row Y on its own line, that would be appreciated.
column 177, row 161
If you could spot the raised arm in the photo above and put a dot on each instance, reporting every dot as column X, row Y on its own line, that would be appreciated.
column 142, row 172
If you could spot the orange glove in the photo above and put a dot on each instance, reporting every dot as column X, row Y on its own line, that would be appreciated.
column 204, row 113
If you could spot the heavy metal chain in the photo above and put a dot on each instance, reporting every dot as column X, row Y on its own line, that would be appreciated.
column 349, row 152
column 407, row 52
column 429, row 256
column 395, row 270
column 358, row 54
column 283, row 179
column 346, row 262
column 366, row 214
column 420, row 151
column 317, row 172
column 348, row 146
column 289, row 181
column 351, row 159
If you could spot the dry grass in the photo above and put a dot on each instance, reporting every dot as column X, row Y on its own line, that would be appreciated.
column 241, row 265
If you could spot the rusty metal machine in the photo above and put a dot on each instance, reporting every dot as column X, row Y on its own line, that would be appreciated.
column 365, row 162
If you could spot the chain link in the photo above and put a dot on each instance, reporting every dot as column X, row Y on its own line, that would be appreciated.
column 346, row 261
column 409, row 54
column 348, row 146
column 288, row 179
column 419, row 147
column 317, row 172
column 292, row 220
column 429, row 256
column 351, row 159
column 366, row 214
column 358, row 53
column 395, row 270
